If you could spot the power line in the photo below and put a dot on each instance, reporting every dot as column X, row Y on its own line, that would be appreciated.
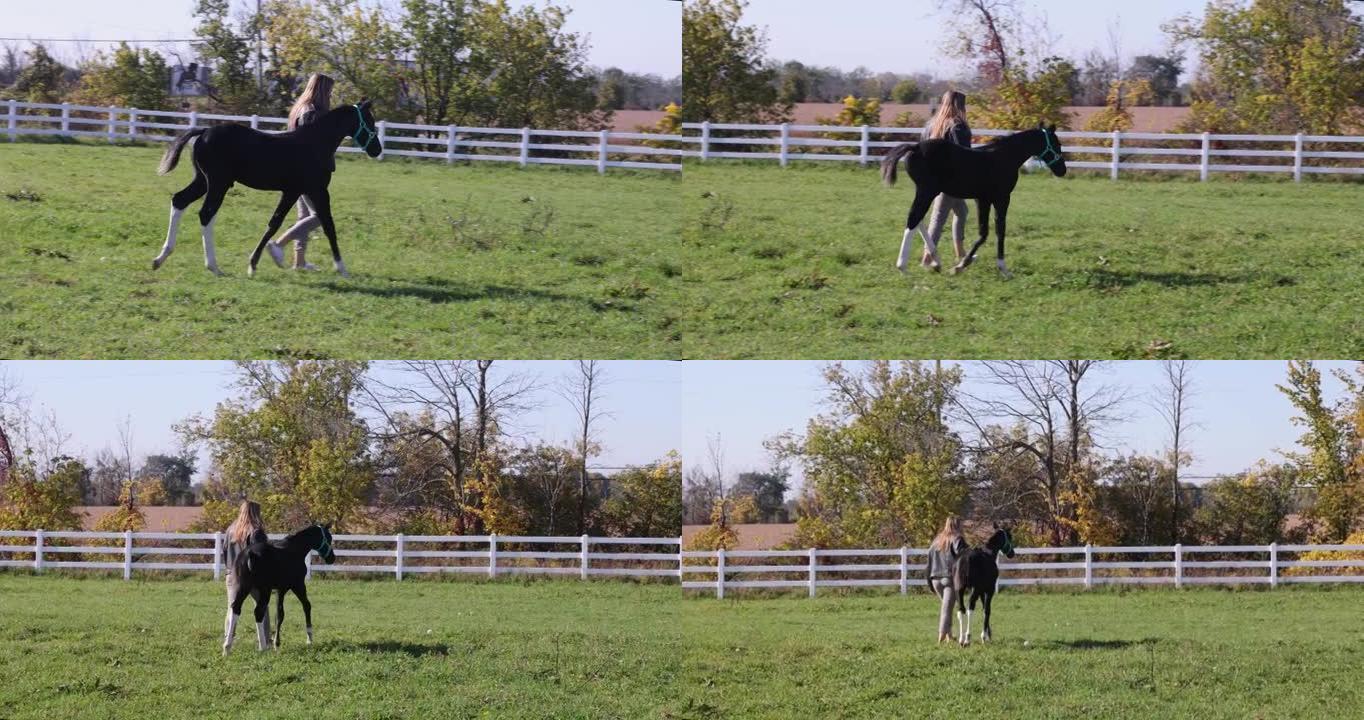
column 88, row 40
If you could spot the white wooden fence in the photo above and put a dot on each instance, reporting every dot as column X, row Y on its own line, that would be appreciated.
column 601, row 149
column 1085, row 566
column 1191, row 152
column 395, row 555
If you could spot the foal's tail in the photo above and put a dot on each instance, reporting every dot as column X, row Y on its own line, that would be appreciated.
column 172, row 156
column 892, row 158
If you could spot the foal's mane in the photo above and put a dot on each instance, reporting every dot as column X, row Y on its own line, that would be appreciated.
column 1012, row 139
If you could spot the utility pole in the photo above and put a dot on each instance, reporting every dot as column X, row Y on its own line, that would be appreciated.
column 260, row 84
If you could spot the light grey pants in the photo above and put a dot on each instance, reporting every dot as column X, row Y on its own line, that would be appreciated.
column 307, row 222
column 943, row 205
column 943, row 587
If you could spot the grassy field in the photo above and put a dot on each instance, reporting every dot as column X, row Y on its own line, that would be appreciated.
column 477, row 261
column 1206, row 653
column 799, row 263
column 102, row 648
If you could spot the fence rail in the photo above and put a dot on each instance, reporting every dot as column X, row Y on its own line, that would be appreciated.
column 1085, row 566
column 1297, row 155
column 525, row 146
column 396, row 555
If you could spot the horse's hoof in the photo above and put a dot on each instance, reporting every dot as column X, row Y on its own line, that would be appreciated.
column 250, row 271
column 156, row 263
column 216, row 271
column 956, row 269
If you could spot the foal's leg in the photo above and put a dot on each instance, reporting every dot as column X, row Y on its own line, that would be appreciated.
column 962, row 628
column 208, row 214
column 279, row 618
column 982, row 209
column 923, row 199
column 966, row 630
column 322, row 203
column 286, row 200
column 985, row 600
column 1001, row 211
column 301, row 592
column 179, row 201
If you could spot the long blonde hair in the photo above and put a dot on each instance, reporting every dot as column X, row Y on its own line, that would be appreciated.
column 317, row 96
column 247, row 523
column 951, row 110
column 951, row 531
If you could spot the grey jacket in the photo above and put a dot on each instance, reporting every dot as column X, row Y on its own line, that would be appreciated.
column 960, row 134
column 235, row 549
column 941, row 562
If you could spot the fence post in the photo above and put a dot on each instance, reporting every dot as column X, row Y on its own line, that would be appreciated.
column 217, row 555
column 127, row 554
column 904, row 570
column 866, row 146
column 1179, row 565
column 13, row 119
column 492, row 555
column 255, row 122
column 452, row 132
column 1297, row 158
column 720, row 574
column 583, row 557
column 66, row 119
column 1113, row 169
column 1274, row 564
column 113, row 116
column 525, row 146
column 785, row 143
column 132, row 123
column 601, row 157
column 37, row 541
column 705, row 139
column 1205, row 158
column 812, row 572
column 383, row 137
column 1089, row 566
column 399, row 545
column 194, row 119
column 681, row 561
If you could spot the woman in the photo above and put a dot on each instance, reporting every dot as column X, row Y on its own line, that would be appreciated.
column 247, row 529
column 942, row 558
column 948, row 123
column 315, row 101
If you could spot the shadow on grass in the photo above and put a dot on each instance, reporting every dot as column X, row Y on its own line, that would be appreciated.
column 437, row 291
column 1105, row 279
column 415, row 650
column 1103, row 644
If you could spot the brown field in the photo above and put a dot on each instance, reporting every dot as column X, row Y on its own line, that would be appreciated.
column 631, row 120
column 159, row 519
column 751, row 536
column 1144, row 119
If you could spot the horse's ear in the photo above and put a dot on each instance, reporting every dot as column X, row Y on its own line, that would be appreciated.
column 365, row 103
column 1052, row 128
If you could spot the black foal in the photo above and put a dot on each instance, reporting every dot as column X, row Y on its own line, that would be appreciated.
column 278, row 565
column 294, row 163
column 978, row 571
column 987, row 173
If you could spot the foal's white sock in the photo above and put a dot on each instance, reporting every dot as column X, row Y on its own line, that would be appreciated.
column 905, row 245
column 210, row 255
column 169, row 246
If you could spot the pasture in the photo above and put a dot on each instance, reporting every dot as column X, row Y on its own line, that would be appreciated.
column 1290, row 652
column 92, row 647
column 463, row 261
column 799, row 263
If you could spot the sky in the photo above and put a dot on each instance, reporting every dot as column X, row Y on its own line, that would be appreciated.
column 905, row 36
column 641, row 36
column 90, row 398
column 1242, row 417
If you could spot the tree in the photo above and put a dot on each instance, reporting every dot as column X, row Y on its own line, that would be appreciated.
column 175, row 474
column 436, row 35
column 342, row 38
column 291, row 441
column 906, row 91
column 1173, row 402
column 130, row 78
column 1248, row 509
column 699, row 493
column 1275, row 66
column 1136, row 496
column 768, row 490
column 583, row 393
column 1327, row 463
column 1161, row 74
column 42, row 80
column 725, row 74
column 647, row 501
column 543, row 483
column 226, row 48
column 42, row 497
column 881, row 467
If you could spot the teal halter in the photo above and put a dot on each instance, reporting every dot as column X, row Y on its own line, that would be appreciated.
column 363, row 128
column 325, row 545
column 1053, row 152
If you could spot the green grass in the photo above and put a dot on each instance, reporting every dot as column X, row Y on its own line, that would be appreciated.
column 1286, row 653
column 799, row 263
column 465, row 261
column 104, row 648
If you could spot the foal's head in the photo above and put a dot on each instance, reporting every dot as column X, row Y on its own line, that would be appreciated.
column 365, row 135
column 320, row 539
column 1051, row 150
column 1001, row 541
